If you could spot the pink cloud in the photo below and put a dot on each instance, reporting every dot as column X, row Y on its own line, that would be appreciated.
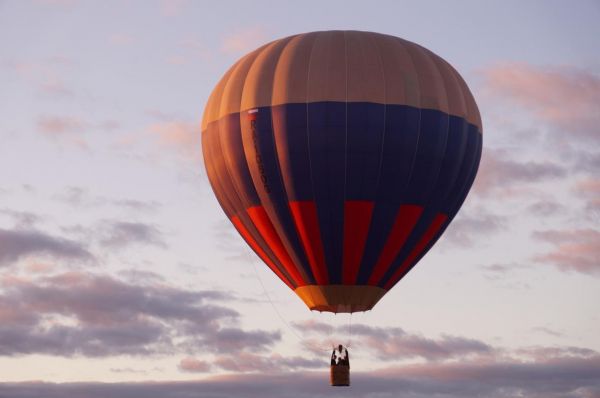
column 58, row 125
column 565, row 97
column 172, row 8
column 193, row 365
column 181, row 137
column 575, row 250
column 243, row 41
column 64, row 129
column 589, row 190
column 55, row 87
column 121, row 39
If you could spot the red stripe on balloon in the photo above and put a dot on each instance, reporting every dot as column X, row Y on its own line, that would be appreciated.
column 256, row 247
column 265, row 228
column 307, row 224
column 406, row 219
column 432, row 230
column 357, row 219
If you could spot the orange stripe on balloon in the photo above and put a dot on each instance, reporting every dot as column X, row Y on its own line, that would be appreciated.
column 357, row 219
column 406, row 219
column 265, row 228
column 432, row 230
column 256, row 247
column 307, row 224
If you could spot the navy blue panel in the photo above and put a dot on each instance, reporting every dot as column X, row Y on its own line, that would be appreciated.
column 472, row 172
column 291, row 138
column 459, row 152
column 332, row 152
column 433, row 134
column 363, row 149
column 400, row 143
column 456, row 144
column 233, row 152
column 261, row 157
column 463, row 182
column 327, row 151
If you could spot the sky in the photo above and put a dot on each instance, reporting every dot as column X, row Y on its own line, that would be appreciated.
column 121, row 276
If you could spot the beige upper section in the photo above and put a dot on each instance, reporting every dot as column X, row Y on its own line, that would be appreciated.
column 342, row 66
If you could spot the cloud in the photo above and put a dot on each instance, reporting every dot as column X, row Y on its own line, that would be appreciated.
column 63, row 129
column 121, row 39
column 248, row 362
column 574, row 250
column 119, row 234
column 566, row 97
column 394, row 344
column 227, row 340
column 589, row 190
column 498, row 271
column 22, row 219
column 59, row 125
column 137, row 205
column 73, row 196
column 546, row 208
column 181, row 137
column 470, row 226
column 17, row 244
column 551, row 377
column 80, row 197
column 243, row 41
column 499, row 174
column 193, row 365
column 78, row 313
column 172, row 8
column 56, row 88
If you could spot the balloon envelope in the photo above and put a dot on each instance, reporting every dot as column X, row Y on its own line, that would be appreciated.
column 341, row 157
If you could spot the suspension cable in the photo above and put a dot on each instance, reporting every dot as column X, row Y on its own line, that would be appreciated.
column 290, row 328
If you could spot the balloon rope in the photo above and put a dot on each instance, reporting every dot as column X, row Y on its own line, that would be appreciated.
column 304, row 343
column 349, row 332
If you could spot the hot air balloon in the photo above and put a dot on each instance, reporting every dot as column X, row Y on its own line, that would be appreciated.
column 341, row 157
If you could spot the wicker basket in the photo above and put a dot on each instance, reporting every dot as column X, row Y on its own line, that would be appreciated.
column 340, row 375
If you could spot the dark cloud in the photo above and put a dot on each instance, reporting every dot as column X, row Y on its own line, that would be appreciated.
column 119, row 234
column 17, row 244
column 79, row 313
column 472, row 225
column 499, row 173
column 81, row 197
column 589, row 191
column 247, row 362
column 585, row 161
column 22, row 219
column 552, row 377
column 574, row 250
column 393, row 344
column 499, row 272
column 74, row 196
column 137, row 205
column 546, row 208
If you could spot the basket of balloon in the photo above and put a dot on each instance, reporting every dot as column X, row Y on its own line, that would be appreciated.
column 340, row 375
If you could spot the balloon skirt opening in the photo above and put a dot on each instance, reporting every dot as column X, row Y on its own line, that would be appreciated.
column 340, row 298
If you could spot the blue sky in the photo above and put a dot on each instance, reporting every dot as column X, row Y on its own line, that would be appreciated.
column 117, row 264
